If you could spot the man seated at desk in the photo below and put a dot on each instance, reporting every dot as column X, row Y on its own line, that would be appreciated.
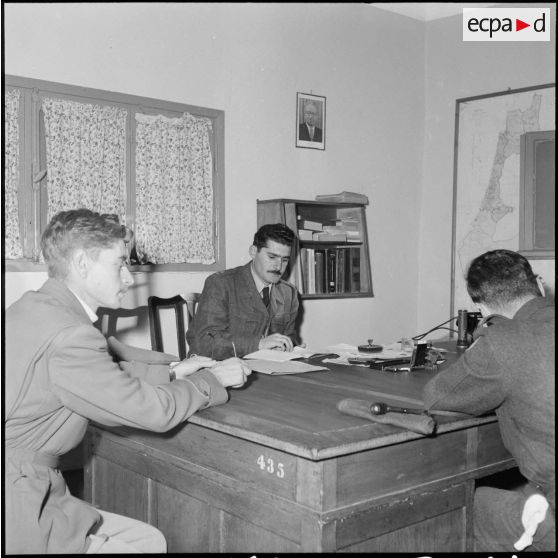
column 249, row 307
column 59, row 375
column 508, row 369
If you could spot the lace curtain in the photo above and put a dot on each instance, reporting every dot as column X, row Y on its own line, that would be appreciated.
column 12, row 241
column 174, row 189
column 86, row 157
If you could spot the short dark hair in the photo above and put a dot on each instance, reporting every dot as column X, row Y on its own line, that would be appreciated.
column 79, row 228
column 277, row 232
column 499, row 277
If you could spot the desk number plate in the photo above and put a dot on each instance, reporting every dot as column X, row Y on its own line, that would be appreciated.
column 269, row 466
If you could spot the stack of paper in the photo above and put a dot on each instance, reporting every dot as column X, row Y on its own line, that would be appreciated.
column 344, row 197
column 280, row 368
column 279, row 356
column 269, row 361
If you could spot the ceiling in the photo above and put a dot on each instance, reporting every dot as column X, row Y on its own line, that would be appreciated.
column 427, row 11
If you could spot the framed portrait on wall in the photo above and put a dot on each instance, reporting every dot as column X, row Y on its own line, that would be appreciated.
column 310, row 121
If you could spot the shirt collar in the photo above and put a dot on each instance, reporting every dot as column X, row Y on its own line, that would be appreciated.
column 260, row 283
column 92, row 316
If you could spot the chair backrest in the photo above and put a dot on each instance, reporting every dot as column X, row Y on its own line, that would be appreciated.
column 108, row 318
column 176, row 303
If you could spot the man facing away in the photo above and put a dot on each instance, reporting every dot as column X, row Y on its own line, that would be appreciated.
column 249, row 307
column 59, row 375
column 508, row 369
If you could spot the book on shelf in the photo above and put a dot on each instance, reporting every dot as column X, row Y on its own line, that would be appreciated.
column 353, row 236
column 330, row 270
column 329, row 237
column 342, row 231
column 355, row 270
column 320, row 271
column 344, row 197
column 310, row 225
column 311, row 274
column 304, row 234
column 340, row 271
column 334, row 229
column 349, row 224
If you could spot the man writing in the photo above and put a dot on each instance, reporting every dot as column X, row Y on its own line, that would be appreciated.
column 508, row 369
column 59, row 375
column 249, row 307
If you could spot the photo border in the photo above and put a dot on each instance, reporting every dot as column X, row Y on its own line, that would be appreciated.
column 301, row 98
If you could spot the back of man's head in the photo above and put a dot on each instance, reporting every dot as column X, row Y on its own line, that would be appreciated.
column 78, row 228
column 500, row 278
column 277, row 232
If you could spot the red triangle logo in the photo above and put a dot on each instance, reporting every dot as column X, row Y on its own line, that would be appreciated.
column 519, row 25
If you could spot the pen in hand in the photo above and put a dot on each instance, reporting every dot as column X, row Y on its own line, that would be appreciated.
column 234, row 349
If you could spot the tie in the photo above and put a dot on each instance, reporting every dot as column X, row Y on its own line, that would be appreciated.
column 265, row 296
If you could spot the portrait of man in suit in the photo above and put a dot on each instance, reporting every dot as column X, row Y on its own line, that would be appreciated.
column 311, row 118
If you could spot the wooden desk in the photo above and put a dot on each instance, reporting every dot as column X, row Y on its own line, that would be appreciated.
column 279, row 469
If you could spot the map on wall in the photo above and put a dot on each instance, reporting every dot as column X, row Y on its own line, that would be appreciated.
column 487, row 174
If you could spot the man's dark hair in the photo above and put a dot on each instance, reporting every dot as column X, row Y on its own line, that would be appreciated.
column 79, row 228
column 277, row 232
column 499, row 277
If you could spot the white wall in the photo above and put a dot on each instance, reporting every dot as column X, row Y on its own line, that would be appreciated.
column 250, row 60
column 455, row 70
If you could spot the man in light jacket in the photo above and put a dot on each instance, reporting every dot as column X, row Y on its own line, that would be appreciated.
column 59, row 375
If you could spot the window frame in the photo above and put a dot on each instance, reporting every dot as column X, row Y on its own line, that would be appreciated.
column 529, row 191
column 32, row 200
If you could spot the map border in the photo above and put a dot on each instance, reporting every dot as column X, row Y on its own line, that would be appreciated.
column 457, row 187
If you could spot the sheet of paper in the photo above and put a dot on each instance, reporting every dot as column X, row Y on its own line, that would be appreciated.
column 280, row 368
column 279, row 356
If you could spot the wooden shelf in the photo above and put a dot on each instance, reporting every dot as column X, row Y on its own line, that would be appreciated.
column 322, row 268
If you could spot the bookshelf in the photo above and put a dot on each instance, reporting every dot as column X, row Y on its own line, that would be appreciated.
column 332, row 258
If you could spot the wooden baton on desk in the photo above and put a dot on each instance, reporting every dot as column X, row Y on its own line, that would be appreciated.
column 420, row 423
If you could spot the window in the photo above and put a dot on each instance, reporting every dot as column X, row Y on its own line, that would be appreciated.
column 158, row 165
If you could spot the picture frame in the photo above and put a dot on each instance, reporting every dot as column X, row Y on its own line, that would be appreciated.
column 487, row 174
column 310, row 121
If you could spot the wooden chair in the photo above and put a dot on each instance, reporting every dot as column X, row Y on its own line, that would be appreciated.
column 108, row 318
column 176, row 303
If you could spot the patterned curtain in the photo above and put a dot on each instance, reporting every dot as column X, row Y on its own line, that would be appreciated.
column 12, row 243
column 174, row 190
column 86, row 157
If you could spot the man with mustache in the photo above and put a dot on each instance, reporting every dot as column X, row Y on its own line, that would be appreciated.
column 249, row 307
column 60, row 374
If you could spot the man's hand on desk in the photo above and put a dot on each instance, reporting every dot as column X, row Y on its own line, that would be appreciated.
column 231, row 372
column 276, row 341
column 190, row 365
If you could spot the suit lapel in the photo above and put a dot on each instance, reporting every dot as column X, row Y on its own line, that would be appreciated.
column 249, row 293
